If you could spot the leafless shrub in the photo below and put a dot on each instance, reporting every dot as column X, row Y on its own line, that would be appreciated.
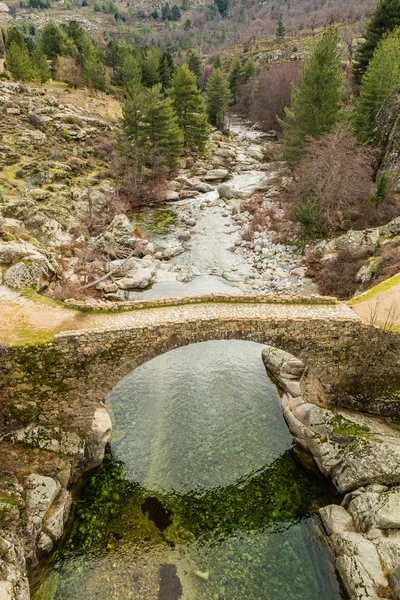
column 264, row 98
column 340, row 173
column 69, row 71
column 337, row 277
column 104, row 147
column 65, row 289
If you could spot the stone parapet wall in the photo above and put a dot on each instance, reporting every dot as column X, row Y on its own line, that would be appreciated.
column 96, row 304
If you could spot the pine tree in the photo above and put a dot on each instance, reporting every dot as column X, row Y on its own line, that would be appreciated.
column 316, row 101
column 166, row 12
column 308, row 213
column 235, row 78
column 131, row 142
column 151, row 68
column 131, row 70
column 194, row 64
column 380, row 79
column 175, row 13
column 217, row 64
column 19, row 63
column 52, row 40
column 218, row 98
column 95, row 74
column 160, row 130
column 385, row 18
column 13, row 34
column 166, row 69
column 249, row 70
column 40, row 67
column 189, row 108
column 280, row 30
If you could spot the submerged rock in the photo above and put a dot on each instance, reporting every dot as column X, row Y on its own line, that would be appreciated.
column 157, row 512
column 170, row 584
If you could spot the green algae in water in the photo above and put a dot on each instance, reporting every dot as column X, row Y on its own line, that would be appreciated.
column 152, row 220
column 242, row 512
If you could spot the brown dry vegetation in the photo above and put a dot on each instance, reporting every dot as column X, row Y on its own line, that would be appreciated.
column 263, row 98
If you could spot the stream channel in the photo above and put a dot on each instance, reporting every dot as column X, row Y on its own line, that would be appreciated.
column 200, row 496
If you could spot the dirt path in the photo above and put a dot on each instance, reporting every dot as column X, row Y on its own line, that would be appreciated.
column 24, row 320
column 380, row 305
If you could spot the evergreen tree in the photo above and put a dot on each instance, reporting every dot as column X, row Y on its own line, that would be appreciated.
column 316, row 101
column 217, row 64
column 249, row 70
column 194, row 64
column 166, row 12
column 151, row 68
column 19, row 63
column 14, row 35
column 380, row 79
column 308, row 213
column 235, row 78
column 40, row 67
column 166, row 69
column 52, row 40
column 111, row 55
column 160, row 130
column 280, row 30
column 81, row 40
column 189, row 108
column 95, row 74
column 384, row 19
column 218, row 98
column 131, row 142
column 131, row 70
column 223, row 6
column 175, row 13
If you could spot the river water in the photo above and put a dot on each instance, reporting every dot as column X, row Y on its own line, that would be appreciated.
column 200, row 496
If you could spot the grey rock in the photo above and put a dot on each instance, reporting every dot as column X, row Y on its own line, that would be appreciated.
column 36, row 274
column 98, row 437
column 41, row 493
column 216, row 175
column 336, row 519
column 119, row 235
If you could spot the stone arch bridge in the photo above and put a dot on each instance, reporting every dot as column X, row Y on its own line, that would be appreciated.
column 57, row 366
column 62, row 382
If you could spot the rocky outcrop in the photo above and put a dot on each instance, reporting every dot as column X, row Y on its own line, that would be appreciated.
column 387, row 134
column 360, row 454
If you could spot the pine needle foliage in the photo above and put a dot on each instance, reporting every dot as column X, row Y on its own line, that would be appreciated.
column 380, row 79
column 316, row 100
column 189, row 108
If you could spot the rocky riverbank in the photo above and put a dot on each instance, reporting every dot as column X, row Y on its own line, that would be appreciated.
column 204, row 248
column 360, row 454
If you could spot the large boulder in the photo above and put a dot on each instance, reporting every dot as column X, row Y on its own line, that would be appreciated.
column 134, row 273
column 35, row 274
column 11, row 252
column 118, row 236
column 216, row 175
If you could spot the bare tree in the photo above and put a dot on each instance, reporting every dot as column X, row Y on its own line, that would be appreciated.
column 340, row 174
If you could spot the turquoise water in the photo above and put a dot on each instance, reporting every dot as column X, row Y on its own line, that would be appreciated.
column 200, row 496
